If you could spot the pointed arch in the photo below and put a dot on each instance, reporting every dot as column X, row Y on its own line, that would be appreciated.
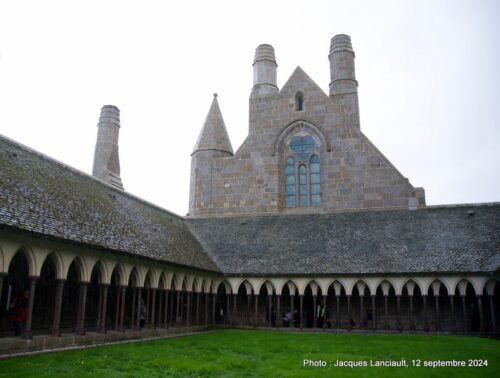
column 58, row 263
column 297, row 126
column 81, row 268
column 120, row 272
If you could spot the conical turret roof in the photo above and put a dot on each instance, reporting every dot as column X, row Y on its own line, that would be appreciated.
column 213, row 135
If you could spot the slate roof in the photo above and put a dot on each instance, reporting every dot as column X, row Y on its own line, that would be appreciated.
column 435, row 239
column 41, row 195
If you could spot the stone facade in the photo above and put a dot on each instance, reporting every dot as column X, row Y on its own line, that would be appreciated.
column 353, row 173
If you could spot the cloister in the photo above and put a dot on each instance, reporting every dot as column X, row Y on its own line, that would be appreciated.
column 76, row 289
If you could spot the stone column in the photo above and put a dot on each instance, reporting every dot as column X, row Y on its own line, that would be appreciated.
column 233, row 318
column 412, row 322
column 133, row 308
column 438, row 322
column 139, row 296
column 153, row 308
column 337, row 297
column 361, row 311
column 349, row 312
column 159, row 321
column 103, row 329
column 301, row 297
column 269, row 311
column 249, row 299
column 426, row 324
column 386, row 312
column 122, row 310
column 99, row 309
column 464, row 312
column 398, row 302
column 117, row 307
column 57, row 308
column 256, row 298
column 481, row 315
column 214, row 298
column 374, row 313
column 166, row 318
column 279, row 319
column 82, row 301
column 315, row 309
column 492, row 314
column 292, row 302
column 197, row 315
column 188, row 308
column 177, row 309
column 148, row 310
column 207, row 305
column 453, row 322
column 2, row 276
column 325, row 307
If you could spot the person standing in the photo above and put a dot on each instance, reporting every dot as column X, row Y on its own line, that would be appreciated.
column 19, row 311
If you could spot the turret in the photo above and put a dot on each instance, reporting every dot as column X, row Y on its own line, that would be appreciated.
column 343, row 84
column 264, row 71
column 106, row 160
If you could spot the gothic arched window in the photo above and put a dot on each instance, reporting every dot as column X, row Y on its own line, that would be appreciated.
column 302, row 173
column 299, row 101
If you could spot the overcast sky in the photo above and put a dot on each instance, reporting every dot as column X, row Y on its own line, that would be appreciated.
column 428, row 73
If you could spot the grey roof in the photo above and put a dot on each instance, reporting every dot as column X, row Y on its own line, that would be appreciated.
column 41, row 195
column 434, row 239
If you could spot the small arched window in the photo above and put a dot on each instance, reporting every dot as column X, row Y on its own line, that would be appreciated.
column 299, row 101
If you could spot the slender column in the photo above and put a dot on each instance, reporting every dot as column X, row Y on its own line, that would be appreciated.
column 166, row 316
column 122, row 310
column 102, row 329
column 99, row 309
column 278, row 312
column 117, row 307
column 386, row 312
column 57, row 308
column 134, row 302
column 315, row 309
column 481, row 316
column 2, row 275
column 361, row 312
column 139, row 297
column 398, row 302
column 374, row 313
column 197, row 314
column 148, row 312
column 412, row 323
column 188, row 308
column 256, row 309
column 337, row 297
column 292, row 303
column 159, row 322
column 453, row 322
column 207, row 305
column 82, row 301
column 492, row 314
column 426, row 325
column 229, row 315
column 325, row 307
column 438, row 322
column 177, row 310
column 233, row 318
column 249, row 299
column 153, row 308
column 214, row 298
column 464, row 312
column 301, row 311
column 269, row 311
column 349, row 314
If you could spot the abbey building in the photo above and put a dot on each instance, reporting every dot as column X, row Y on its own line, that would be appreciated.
column 305, row 225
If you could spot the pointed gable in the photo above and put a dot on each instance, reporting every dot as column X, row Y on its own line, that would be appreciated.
column 213, row 135
column 300, row 81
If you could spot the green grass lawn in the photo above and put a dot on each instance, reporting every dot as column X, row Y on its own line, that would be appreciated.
column 235, row 353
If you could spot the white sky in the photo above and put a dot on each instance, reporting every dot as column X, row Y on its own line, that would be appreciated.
column 428, row 73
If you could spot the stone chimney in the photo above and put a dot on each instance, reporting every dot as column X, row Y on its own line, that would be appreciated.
column 106, row 160
column 264, row 71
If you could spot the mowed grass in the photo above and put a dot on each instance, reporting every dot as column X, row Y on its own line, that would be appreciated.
column 237, row 353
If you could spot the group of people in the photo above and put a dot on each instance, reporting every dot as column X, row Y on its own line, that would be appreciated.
column 293, row 320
